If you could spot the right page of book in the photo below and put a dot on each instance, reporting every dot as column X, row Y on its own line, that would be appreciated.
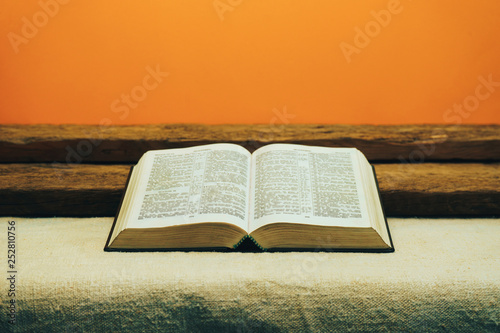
column 309, row 185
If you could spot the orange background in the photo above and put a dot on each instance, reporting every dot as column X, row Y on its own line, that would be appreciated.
column 256, row 62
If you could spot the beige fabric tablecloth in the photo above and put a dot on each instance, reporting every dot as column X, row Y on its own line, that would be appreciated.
column 444, row 276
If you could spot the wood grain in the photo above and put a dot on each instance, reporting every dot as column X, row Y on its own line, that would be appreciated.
column 82, row 190
column 125, row 144
column 435, row 189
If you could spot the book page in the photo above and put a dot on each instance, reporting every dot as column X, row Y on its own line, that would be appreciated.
column 190, row 185
column 373, row 201
column 309, row 185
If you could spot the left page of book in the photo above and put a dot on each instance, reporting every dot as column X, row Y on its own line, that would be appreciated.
column 179, row 186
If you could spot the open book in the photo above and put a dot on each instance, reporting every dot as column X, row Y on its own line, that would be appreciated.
column 281, row 197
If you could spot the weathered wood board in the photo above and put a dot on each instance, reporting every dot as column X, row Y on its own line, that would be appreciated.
column 427, row 189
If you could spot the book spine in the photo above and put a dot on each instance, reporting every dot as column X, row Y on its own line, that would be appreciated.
column 252, row 239
column 258, row 245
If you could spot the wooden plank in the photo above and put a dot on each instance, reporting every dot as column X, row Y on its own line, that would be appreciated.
column 125, row 144
column 435, row 189
column 81, row 190
column 44, row 190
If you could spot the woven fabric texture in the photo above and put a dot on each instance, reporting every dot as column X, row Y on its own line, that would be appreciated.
column 443, row 276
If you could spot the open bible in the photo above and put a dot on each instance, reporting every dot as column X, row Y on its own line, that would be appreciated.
column 281, row 197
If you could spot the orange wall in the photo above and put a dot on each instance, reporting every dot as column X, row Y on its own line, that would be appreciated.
column 249, row 61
